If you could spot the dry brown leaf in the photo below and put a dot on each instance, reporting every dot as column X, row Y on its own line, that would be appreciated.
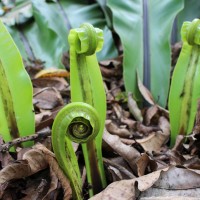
column 52, row 72
column 145, row 130
column 175, row 182
column 129, row 153
column 16, row 170
column 129, row 122
column 33, row 161
column 118, row 110
column 133, row 108
column 150, row 113
column 59, row 83
column 123, row 172
column 35, row 190
column 148, row 96
column 36, row 160
column 53, row 185
column 156, row 139
column 40, row 117
column 114, row 129
column 50, row 158
column 127, row 189
column 47, row 98
column 145, row 92
column 169, row 182
column 107, row 73
column 144, row 163
column 114, row 88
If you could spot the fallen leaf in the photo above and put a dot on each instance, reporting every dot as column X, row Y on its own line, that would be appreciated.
column 16, row 170
column 145, row 163
column 148, row 96
column 53, row 186
column 150, row 113
column 52, row 72
column 124, row 172
column 175, row 182
column 129, row 153
column 114, row 129
column 47, row 98
column 156, row 139
column 50, row 158
column 35, row 189
column 145, row 92
column 41, row 116
column 133, row 108
column 36, row 160
column 59, row 83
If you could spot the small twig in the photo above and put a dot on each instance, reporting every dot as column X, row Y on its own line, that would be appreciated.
column 40, row 134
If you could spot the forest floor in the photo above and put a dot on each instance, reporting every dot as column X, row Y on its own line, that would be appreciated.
column 138, row 160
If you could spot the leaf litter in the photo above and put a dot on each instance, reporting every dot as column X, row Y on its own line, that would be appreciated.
column 138, row 161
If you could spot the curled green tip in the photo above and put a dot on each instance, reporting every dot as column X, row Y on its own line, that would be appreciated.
column 191, row 32
column 87, row 39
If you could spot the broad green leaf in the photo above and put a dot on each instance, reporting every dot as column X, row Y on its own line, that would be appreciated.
column 45, row 37
column 156, row 40
column 16, row 109
column 16, row 35
column 79, row 12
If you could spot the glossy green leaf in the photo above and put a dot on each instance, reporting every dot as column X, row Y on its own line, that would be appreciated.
column 45, row 37
column 156, row 40
column 16, row 109
column 16, row 35
column 79, row 12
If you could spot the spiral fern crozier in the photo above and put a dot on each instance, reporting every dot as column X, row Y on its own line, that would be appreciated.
column 79, row 121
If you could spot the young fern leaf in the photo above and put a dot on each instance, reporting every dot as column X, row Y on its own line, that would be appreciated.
column 82, row 121
column 16, row 108
column 185, row 85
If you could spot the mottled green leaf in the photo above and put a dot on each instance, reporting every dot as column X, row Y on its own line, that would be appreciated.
column 16, row 109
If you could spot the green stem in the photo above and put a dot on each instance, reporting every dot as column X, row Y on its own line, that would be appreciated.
column 87, row 86
column 82, row 121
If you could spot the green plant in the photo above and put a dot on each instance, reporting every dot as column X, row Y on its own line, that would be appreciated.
column 39, row 28
column 145, row 37
column 82, row 121
column 184, row 90
column 16, row 108
column 145, row 30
